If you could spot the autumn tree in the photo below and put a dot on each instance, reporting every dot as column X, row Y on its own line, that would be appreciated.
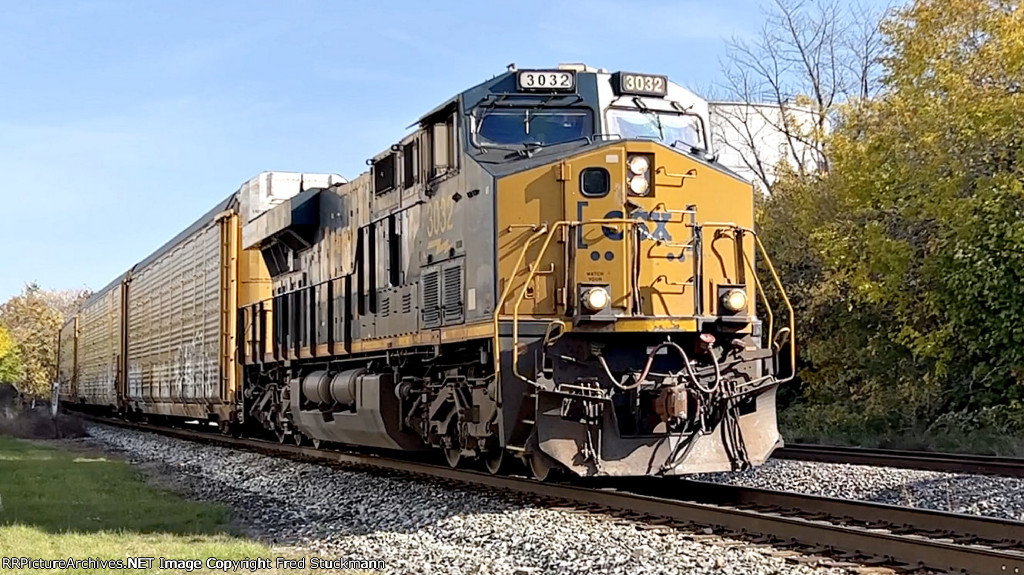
column 33, row 320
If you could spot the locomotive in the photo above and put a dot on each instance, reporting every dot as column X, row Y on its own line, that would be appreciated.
column 551, row 268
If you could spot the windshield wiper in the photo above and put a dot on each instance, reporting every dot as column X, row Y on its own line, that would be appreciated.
column 649, row 112
column 530, row 147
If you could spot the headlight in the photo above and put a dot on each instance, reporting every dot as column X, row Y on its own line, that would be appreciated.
column 734, row 300
column 638, row 174
column 639, row 165
column 596, row 299
column 638, row 185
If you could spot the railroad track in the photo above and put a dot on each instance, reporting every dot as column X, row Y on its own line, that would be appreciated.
column 947, row 462
column 832, row 531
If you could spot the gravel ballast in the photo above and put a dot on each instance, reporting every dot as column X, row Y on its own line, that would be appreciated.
column 421, row 527
column 1001, row 497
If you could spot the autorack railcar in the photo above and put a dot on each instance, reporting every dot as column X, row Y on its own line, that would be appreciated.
column 160, row 339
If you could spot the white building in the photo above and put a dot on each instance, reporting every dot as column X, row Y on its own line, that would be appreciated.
column 754, row 140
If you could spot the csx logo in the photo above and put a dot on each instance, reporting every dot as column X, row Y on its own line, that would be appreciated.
column 659, row 219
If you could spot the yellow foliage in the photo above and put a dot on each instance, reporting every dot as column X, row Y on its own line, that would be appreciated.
column 10, row 359
column 33, row 320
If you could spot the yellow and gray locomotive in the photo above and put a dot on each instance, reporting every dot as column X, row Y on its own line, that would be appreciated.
column 551, row 267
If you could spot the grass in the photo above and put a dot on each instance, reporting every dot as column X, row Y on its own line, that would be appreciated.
column 58, row 504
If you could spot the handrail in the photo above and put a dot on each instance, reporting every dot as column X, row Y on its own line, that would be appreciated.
column 791, row 319
column 789, row 307
column 760, row 288
column 538, row 231
column 533, row 271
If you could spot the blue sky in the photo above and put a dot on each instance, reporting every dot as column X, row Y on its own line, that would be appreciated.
column 121, row 122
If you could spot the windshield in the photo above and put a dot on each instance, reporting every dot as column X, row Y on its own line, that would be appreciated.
column 521, row 126
column 662, row 126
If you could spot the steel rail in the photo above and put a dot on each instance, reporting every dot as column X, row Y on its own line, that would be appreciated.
column 925, row 460
column 876, row 515
column 905, row 538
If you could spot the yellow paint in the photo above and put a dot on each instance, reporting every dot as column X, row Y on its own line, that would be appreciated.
column 527, row 199
column 594, row 253
column 231, row 236
column 625, row 324
column 439, row 245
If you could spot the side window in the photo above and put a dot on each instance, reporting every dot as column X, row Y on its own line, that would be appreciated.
column 439, row 149
column 410, row 167
column 453, row 141
column 384, row 174
column 442, row 147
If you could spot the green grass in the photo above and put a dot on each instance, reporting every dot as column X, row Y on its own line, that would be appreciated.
column 60, row 504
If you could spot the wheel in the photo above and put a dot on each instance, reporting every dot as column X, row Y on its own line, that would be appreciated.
column 541, row 466
column 454, row 456
column 281, row 435
column 297, row 437
column 495, row 461
column 317, row 443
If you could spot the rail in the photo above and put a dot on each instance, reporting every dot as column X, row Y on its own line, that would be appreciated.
column 533, row 270
column 929, row 461
column 788, row 333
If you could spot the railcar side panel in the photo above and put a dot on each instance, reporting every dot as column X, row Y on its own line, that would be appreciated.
column 176, row 318
column 101, row 347
column 67, row 359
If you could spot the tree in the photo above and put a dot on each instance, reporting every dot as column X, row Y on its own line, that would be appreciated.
column 33, row 320
column 810, row 57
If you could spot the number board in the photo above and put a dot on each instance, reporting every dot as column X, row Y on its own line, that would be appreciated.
column 546, row 80
column 640, row 84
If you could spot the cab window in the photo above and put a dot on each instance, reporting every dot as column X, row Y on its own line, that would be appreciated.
column 527, row 126
column 668, row 127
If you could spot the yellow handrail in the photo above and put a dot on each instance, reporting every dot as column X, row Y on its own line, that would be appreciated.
column 778, row 284
column 760, row 288
column 789, row 306
column 539, row 231
column 533, row 272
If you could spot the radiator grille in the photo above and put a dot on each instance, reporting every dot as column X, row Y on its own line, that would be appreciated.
column 430, row 293
column 452, row 303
